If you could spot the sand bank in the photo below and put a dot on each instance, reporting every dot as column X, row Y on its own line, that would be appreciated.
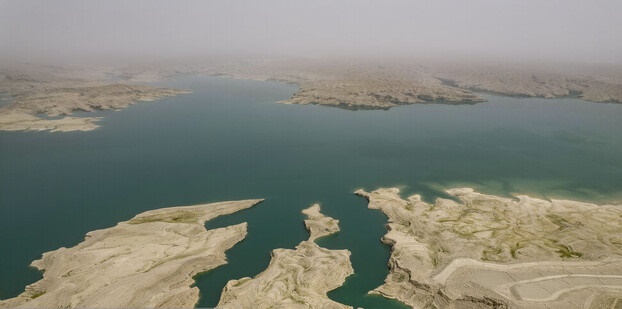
column 36, row 93
column 146, row 262
column 493, row 252
column 296, row 278
column 386, row 83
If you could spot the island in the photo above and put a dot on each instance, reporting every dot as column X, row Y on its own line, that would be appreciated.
column 485, row 251
column 148, row 261
column 296, row 278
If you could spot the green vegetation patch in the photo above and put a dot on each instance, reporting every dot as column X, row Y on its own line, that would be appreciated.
column 559, row 221
column 37, row 294
column 187, row 216
column 566, row 252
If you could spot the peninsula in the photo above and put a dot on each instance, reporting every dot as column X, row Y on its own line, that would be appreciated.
column 372, row 83
column 492, row 252
column 43, row 100
column 296, row 278
column 146, row 262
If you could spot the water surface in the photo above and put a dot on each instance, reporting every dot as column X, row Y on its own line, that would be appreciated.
column 229, row 140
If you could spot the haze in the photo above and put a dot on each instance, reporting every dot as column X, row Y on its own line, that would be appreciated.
column 576, row 30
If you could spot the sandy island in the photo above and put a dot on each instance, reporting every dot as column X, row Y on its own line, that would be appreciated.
column 146, row 262
column 493, row 252
column 296, row 278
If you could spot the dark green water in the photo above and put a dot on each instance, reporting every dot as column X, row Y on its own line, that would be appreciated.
column 229, row 140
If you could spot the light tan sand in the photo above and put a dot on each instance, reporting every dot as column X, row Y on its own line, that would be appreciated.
column 386, row 83
column 494, row 252
column 296, row 278
column 56, row 94
column 146, row 262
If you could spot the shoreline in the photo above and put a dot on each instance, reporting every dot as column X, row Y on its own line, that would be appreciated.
column 295, row 278
column 358, row 86
column 499, row 252
column 33, row 93
column 380, row 84
column 540, row 270
column 147, row 261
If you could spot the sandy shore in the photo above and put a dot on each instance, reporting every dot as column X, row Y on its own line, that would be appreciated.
column 386, row 83
column 595, row 84
column 23, row 121
column 61, row 93
column 296, row 278
column 344, row 83
column 351, row 85
column 146, row 262
column 493, row 252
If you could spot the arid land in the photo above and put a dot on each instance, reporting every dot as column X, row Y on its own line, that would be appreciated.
column 346, row 83
column 481, row 251
column 386, row 83
column 296, row 278
column 146, row 262
column 492, row 252
column 44, row 98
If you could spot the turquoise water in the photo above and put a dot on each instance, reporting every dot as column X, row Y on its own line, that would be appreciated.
column 229, row 140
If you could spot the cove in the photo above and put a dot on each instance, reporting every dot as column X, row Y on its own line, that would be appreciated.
column 230, row 140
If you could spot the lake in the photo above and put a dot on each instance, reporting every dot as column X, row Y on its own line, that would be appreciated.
column 230, row 140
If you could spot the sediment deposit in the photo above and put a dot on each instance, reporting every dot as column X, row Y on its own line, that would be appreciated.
column 351, row 85
column 146, row 262
column 492, row 252
column 296, row 278
column 386, row 83
column 344, row 83
column 35, row 94
column 529, row 81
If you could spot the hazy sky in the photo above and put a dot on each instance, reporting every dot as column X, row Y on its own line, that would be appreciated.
column 563, row 29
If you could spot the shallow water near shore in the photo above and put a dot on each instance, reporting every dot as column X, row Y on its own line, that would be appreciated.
column 230, row 140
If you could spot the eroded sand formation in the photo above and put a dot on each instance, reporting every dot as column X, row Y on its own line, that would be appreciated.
column 344, row 83
column 146, row 262
column 386, row 83
column 36, row 93
column 494, row 252
column 296, row 278
column 352, row 85
column 531, row 81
